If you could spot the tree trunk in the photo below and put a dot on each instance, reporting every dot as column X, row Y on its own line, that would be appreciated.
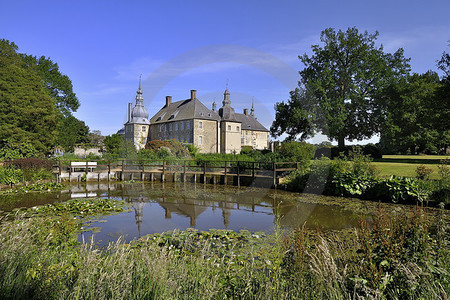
column 341, row 142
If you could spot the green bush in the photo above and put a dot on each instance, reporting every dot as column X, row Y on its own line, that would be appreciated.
column 297, row 151
column 397, row 189
column 10, row 175
column 423, row 172
column 10, row 149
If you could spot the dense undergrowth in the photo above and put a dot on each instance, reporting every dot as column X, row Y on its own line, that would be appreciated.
column 401, row 255
column 355, row 176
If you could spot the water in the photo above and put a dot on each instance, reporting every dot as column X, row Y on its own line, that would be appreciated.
column 159, row 207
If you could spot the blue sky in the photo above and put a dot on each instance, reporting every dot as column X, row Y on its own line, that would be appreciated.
column 104, row 46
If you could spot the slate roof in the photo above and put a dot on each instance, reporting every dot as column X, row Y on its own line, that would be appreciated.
column 184, row 110
column 249, row 122
column 194, row 109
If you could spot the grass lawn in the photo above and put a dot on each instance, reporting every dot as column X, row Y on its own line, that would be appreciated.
column 405, row 165
column 387, row 169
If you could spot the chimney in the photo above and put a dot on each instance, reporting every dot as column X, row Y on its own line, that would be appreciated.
column 168, row 100
column 130, row 106
column 246, row 111
column 193, row 94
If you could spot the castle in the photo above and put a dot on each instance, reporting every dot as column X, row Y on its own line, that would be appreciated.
column 190, row 121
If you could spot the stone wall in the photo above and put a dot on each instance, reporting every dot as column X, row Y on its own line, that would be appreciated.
column 257, row 139
column 230, row 137
column 205, row 135
column 137, row 133
column 181, row 131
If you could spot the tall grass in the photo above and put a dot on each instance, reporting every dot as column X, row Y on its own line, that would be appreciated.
column 402, row 256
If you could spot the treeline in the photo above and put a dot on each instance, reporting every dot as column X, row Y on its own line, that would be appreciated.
column 351, row 89
column 36, row 106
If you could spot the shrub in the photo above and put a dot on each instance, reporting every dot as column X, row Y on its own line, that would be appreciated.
column 297, row 151
column 423, row 172
column 175, row 147
column 10, row 175
column 10, row 149
column 361, row 163
column 397, row 189
column 31, row 163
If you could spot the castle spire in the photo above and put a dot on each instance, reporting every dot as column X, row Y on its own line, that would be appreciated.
column 252, row 110
column 226, row 97
column 139, row 97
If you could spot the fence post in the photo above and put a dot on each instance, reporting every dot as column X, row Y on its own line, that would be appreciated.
column 86, row 171
column 238, row 177
column 109, row 169
column 253, row 170
column 184, row 171
column 225, row 178
column 297, row 166
column 122, row 176
column 163, row 171
column 204, row 173
column 275, row 174
column 70, row 171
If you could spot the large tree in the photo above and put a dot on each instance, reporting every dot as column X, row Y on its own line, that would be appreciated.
column 71, row 133
column 344, row 78
column 27, row 112
column 413, row 115
column 58, row 85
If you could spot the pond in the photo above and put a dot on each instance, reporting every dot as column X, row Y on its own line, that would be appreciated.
column 158, row 207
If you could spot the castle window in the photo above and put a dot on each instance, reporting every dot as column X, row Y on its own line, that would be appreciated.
column 176, row 126
column 200, row 140
column 200, row 124
column 229, row 127
column 237, row 128
column 182, row 126
column 143, row 128
column 170, row 127
column 187, row 125
column 160, row 127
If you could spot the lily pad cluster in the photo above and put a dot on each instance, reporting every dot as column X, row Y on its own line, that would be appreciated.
column 36, row 187
column 81, row 207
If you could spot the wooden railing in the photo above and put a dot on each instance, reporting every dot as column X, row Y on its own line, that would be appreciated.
column 186, row 167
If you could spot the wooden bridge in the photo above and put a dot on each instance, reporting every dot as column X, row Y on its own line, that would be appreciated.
column 177, row 170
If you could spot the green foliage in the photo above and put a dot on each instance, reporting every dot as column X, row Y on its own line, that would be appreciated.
column 396, row 255
column 59, row 86
column 361, row 163
column 398, row 189
column 11, row 149
column 72, row 132
column 10, row 175
column 80, row 208
column 117, row 147
column 297, row 151
column 35, row 187
column 27, row 112
column 172, row 147
column 415, row 116
column 423, row 172
column 340, row 88
column 192, row 150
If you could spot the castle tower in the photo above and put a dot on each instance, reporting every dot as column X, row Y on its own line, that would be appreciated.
column 137, row 125
column 230, row 128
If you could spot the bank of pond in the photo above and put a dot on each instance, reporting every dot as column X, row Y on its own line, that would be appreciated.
column 153, row 241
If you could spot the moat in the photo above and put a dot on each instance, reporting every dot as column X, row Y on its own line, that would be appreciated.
column 158, row 207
